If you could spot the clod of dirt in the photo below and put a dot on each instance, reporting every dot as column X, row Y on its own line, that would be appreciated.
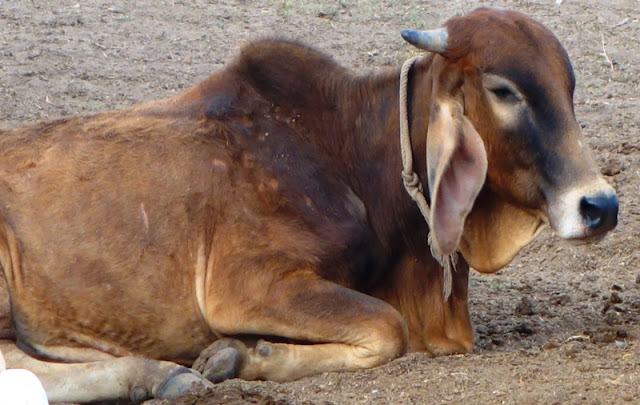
column 484, row 343
column 622, row 334
column 551, row 344
column 611, row 167
column 615, row 298
column 525, row 328
column 562, row 299
column 498, row 341
column 482, row 331
column 572, row 348
column 627, row 149
column 605, row 336
column 613, row 318
column 524, row 307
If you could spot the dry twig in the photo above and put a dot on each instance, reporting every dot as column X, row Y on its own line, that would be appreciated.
column 604, row 52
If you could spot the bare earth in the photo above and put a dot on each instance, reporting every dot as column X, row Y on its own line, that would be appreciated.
column 560, row 325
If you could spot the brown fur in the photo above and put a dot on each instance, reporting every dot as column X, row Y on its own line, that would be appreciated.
column 265, row 201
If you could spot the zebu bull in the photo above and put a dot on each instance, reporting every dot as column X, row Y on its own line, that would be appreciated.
column 267, row 202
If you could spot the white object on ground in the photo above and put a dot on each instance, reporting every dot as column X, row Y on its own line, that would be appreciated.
column 20, row 387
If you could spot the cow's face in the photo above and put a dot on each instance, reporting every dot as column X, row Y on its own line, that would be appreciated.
column 521, row 102
column 514, row 83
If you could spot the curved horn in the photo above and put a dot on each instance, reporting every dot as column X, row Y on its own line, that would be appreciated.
column 432, row 40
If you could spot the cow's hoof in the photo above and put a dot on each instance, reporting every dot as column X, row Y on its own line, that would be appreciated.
column 182, row 381
column 222, row 360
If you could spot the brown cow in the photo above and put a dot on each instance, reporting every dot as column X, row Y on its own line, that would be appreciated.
column 267, row 202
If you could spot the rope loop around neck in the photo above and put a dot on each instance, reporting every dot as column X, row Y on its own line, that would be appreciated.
column 412, row 182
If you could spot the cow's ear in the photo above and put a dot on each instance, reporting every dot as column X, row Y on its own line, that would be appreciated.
column 496, row 231
column 456, row 170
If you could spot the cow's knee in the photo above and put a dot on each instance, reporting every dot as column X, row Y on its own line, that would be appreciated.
column 387, row 339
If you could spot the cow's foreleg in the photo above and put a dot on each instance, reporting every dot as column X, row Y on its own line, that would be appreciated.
column 349, row 330
column 436, row 326
column 129, row 378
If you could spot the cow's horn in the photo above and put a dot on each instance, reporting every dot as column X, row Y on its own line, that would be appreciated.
column 432, row 40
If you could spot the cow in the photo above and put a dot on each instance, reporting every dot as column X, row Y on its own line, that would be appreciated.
column 258, row 225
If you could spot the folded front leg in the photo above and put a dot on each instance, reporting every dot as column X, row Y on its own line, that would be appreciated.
column 348, row 330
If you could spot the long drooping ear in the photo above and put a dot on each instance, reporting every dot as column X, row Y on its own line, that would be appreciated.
column 496, row 231
column 456, row 169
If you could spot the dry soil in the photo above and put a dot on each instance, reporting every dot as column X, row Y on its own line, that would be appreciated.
column 558, row 325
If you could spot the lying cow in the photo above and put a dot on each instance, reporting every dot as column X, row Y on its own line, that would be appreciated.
column 268, row 202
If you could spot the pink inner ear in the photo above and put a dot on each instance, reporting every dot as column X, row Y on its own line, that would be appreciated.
column 457, row 186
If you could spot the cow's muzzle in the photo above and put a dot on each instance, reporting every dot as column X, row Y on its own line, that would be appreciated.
column 600, row 212
column 584, row 214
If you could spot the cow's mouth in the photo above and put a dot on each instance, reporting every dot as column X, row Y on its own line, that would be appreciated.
column 589, row 240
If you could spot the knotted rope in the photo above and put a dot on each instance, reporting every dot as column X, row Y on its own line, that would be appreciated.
column 412, row 182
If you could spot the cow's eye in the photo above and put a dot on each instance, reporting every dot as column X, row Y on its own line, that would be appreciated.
column 506, row 94
column 501, row 89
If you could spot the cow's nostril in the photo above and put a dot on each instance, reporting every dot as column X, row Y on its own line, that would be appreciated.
column 600, row 212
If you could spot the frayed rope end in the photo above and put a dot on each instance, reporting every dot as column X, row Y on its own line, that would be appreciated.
column 448, row 263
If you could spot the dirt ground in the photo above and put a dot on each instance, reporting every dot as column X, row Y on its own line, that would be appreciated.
column 560, row 325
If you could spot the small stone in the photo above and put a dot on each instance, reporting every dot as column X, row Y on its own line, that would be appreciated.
column 617, row 287
column 638, row 278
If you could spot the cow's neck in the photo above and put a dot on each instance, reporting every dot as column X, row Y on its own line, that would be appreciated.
column 372, row 147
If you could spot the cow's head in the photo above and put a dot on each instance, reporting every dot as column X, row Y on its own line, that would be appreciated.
column 502, row 92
